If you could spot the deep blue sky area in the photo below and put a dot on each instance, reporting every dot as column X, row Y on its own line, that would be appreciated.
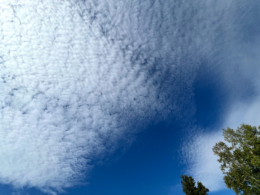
column 211, row 98
column 148, row 165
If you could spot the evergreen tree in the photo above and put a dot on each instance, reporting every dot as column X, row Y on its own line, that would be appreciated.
column 189, row 188
column 241, row 161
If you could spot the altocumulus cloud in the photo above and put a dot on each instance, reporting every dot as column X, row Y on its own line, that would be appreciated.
column 75, row 75
column 78, row 76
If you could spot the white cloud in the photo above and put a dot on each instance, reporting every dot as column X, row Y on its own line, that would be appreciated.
column 244, row 113
column 73, row 77
column 203, row 165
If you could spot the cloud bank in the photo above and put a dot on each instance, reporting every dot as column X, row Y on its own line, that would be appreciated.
column 77, row 76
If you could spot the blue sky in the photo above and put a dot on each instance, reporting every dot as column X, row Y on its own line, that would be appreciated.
column 122, row 97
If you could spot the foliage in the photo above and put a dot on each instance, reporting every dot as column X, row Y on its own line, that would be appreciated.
column 189, row 188
column 241, row 161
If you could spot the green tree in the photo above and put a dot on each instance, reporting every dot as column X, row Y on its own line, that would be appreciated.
column 189, row 188
column 240, row 161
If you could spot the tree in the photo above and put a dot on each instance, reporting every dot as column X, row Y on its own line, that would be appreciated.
column 189, row 188
column 241, row 161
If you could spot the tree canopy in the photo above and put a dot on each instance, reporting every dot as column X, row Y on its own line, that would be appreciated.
column 240, row 161
column 189, row 188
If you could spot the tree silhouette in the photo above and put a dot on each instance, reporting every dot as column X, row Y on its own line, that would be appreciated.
column 189, row 188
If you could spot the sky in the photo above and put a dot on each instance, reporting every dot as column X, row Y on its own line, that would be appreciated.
column 123, row 97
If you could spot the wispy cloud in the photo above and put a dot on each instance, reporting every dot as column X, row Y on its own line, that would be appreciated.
column 203, row 165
